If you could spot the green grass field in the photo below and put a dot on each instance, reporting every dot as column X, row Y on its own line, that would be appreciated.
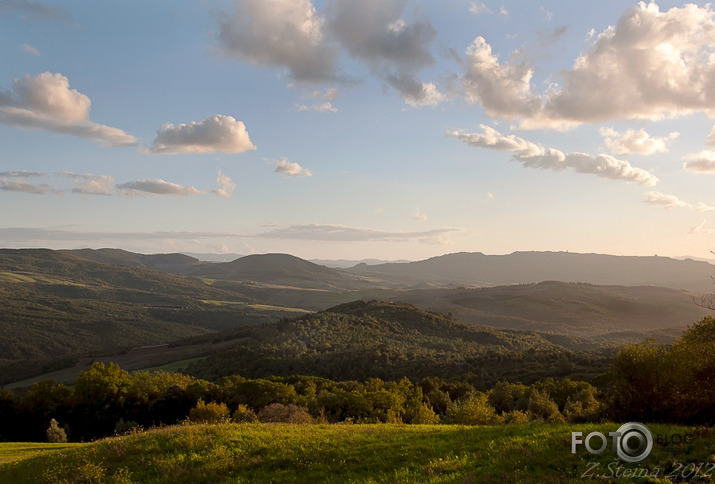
column 363, row 454
column 15, row 451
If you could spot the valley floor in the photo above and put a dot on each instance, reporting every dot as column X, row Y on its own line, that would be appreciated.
column 363, row 454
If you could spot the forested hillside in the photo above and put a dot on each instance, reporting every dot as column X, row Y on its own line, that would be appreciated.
column 392, row 340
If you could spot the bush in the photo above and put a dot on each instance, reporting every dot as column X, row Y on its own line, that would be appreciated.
column 424, row 415
column 211, row 412
column 55, row 433
column 277, row 412
column 244, row 414
column 473, row 411
column 516, row 417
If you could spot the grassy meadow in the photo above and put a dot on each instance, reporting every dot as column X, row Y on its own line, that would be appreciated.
column 378, row 453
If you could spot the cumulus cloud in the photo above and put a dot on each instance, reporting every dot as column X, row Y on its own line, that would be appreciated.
column 47, row 102
column 217, row 134
column 534, row 155
column 294, row 35
column 225, row 186
column 650, row 65
column 285, row 33
column 702, row 162
column 344, row 233
column 289, row 168
column 671, row 201
column 29, row 50
column 711, row 137
column 157, row 187
column 502, row 89
column 632, row 141
column 375, row 32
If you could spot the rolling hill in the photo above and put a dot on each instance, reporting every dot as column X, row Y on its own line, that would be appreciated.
column 389, row 340
column 286, row 270
column 477, row 269
column 566, row 308
column 57, row 305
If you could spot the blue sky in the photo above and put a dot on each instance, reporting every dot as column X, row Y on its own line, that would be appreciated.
column 375, row 129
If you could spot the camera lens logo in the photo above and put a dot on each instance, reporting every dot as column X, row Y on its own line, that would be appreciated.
column 633, row 442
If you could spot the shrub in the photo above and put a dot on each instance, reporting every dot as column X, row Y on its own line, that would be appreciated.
column 473, row 411
column 424, row 415
column 277, row 412
column 211, row 412
column 516, row 417
column 55, row 433
column 244, row 414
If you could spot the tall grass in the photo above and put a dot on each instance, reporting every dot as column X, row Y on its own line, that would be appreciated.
column 282, row 453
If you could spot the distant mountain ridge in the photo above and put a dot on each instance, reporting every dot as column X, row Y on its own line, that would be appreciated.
column 477, row 269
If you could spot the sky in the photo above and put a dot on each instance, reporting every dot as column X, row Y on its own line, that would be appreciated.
column 388, row 129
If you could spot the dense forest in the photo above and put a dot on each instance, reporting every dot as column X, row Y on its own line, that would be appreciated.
column 391, row 340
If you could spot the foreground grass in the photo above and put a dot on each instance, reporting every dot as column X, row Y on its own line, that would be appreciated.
column 358, row 454
column 15, row 451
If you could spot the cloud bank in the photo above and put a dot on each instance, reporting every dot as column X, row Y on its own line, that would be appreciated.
column 344, row 233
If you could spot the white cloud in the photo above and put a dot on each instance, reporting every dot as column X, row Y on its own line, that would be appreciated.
column 633, row 141
column 225, row 186
column 289, row 168
column 419, row 216
column 29, row 50
column 286, row 33
column 699, row 229
column 158, row 187
column 664, row 200
column 650, row 65
column 711, row 137
column 478, row 8
column 702, row 162
column 47, row 102
column 19, row 184
column 426, row 95
column 502, row 89
column 671, row 201
column 217, row 134
column 533, row 155
column 88, row 184
column 325, row 107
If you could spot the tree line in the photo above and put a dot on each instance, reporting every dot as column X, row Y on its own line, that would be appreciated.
column 647, row 383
